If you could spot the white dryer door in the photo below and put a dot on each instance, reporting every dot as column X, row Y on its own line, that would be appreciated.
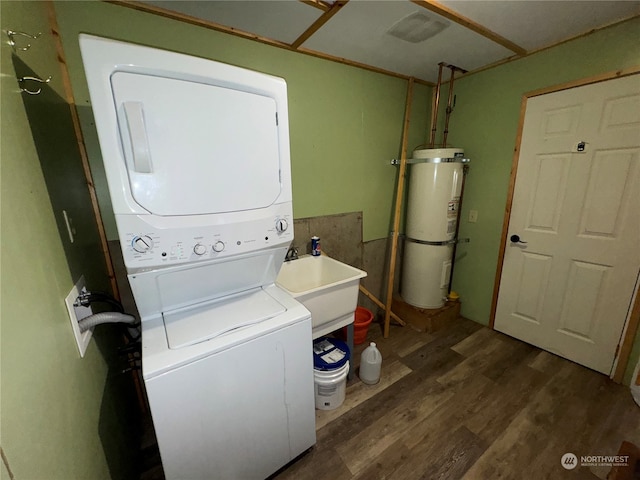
column 194, row 148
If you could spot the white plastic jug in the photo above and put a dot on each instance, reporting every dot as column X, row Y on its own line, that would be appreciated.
column 370, row 365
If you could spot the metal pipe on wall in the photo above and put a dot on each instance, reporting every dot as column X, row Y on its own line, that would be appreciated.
column 465, row 170
column 453, row 69
column 448, row 111
column 436, row 103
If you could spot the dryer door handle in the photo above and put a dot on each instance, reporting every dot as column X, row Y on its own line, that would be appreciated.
column 138, row 135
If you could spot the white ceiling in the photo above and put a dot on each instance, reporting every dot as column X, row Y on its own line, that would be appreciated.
column 276, row 19
column 476, row 33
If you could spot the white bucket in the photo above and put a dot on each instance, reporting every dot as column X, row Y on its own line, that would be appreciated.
column 330, row 387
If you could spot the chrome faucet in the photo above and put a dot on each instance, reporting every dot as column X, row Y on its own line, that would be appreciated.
column 292, row 254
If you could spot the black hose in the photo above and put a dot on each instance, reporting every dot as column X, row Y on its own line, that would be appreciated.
column 85, row 299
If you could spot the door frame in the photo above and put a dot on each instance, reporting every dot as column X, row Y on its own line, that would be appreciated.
column 633, row 320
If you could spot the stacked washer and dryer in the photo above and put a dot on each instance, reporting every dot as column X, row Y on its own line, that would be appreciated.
column 196, row 155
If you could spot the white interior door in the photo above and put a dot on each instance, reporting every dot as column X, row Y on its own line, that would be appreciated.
column 576, row 204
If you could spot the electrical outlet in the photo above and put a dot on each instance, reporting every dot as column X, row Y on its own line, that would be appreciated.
column 77, row 313
column 473, row 216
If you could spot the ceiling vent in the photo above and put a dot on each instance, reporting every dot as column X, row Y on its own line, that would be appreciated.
column 416, row 27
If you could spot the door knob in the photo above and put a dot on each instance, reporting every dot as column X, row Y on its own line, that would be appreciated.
column 516, row 239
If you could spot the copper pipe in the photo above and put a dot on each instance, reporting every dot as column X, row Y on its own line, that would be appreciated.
column 453, row 69
column 436, row 103
column 449, row 108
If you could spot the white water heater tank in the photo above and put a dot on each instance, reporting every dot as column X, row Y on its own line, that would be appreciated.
column 435, row 187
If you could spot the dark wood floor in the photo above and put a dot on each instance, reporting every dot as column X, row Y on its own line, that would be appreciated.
column 466, row 402
column 469, row 402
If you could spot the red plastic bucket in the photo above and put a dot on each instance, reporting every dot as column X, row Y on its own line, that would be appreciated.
column 362, row 320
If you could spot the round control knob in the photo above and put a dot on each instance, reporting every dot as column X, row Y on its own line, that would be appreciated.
column 281, row 225
column 142, row 243
column 200, row 249
column 218, row 246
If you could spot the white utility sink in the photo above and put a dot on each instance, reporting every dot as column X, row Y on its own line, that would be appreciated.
column 327, row 287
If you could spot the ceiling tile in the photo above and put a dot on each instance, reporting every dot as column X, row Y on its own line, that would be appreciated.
column 359, row 32
column 536, row 24
column 277, row 20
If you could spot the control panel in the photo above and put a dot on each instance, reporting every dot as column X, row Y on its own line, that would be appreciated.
column 146, row 247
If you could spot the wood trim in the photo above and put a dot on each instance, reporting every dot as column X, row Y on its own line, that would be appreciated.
column 152, row 9
column 626, row 344
column 398, row 209
column 584, row 34
column 66, row 80
column 363, row 66
column 541, row 49
column 316, row 4
column 495, row 64
column 625, row 72
column 507, row 213
column 5, row 461
column 163, row 12
column 232, row 31
column 454, row 16
column 375, row 300
column 317, row 25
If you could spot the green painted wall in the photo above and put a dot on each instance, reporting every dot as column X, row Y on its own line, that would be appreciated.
column 58, row 415
column 485, row 123
column 59, row 412
column 345, row 122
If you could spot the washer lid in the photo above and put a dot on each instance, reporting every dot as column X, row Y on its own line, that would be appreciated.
column 191, row 325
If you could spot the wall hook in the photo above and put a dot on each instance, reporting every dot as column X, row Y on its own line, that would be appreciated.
column 12, row 33
column 22, row 80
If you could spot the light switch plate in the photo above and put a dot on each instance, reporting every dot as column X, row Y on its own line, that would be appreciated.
column 78, row 313
column 473, row 216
